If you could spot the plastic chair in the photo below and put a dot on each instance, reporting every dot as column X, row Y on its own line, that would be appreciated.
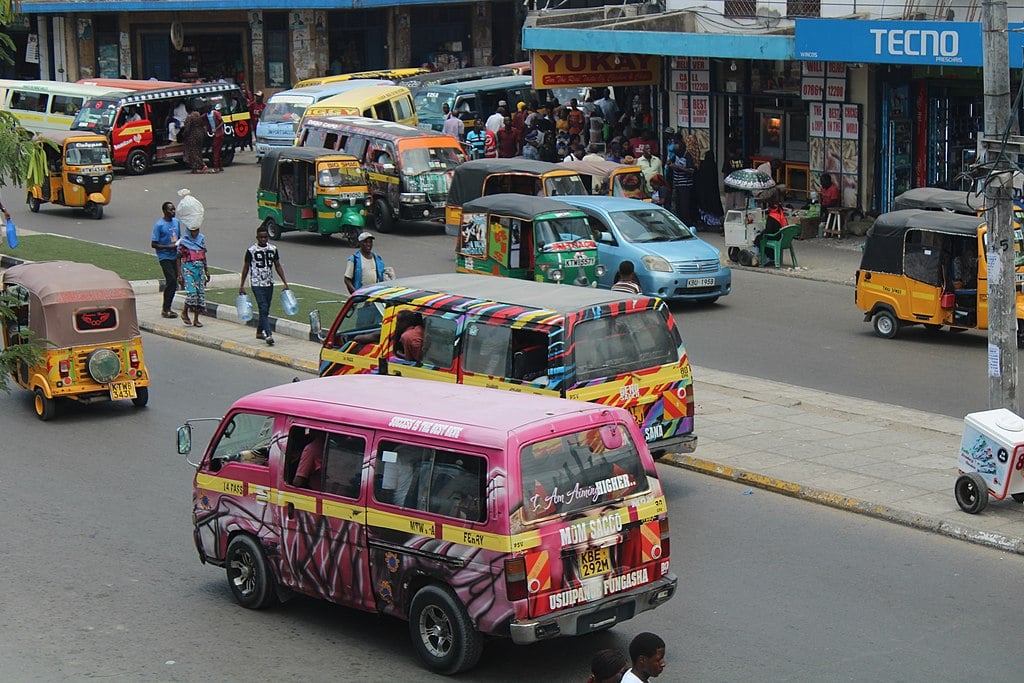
column 774, row 244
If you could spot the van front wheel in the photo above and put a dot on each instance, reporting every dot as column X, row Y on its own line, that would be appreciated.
column 137, row 162
column 885, row 324
column 382, row 218
column 442, row 633
column 248, row 574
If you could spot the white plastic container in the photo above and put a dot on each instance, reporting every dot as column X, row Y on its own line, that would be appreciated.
column 288, row 302
column 243, row 304
column 993, row 447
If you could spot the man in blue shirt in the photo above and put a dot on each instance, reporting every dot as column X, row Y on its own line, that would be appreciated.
column 165, row 242
column 477, row 139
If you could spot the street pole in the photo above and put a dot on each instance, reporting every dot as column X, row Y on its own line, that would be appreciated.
column 999, row 252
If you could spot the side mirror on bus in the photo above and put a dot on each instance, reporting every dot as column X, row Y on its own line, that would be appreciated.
column 314, row 324
column 185, row 439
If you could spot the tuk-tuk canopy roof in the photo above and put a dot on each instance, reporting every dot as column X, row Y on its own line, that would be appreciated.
column 59, row 289
column 936, row 198
column 600, row 169
column 269, row 166
column 59, row 137
column 883, row 249
column 468, row 179
column 518, row 206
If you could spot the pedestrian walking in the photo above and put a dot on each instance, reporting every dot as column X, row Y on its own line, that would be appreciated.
column 261, row 260
column 364, row 267
column 608, row 666
column 193, row 269
column 683, row 166
column 214, row 123
column 165, row 241
column 647, row 653
column 193, row 135
column 707, row 195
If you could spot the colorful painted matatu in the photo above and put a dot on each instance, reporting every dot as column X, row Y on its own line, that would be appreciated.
column 468, row 513
column 574, row 342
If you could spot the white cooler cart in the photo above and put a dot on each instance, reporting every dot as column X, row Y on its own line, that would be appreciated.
column 991, row 459
column 741, row 227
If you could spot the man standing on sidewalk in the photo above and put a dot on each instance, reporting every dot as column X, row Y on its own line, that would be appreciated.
column 165, row 242
column 261, row 259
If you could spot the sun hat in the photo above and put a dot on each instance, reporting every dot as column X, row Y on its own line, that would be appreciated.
column 365, row 235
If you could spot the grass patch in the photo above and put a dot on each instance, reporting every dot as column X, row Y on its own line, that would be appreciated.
column 131, row 265
column 306, row 296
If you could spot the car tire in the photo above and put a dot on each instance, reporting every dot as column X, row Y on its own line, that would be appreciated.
column 442, row 633
column 137, row 162
column 734, row 254
column 46, row 408
column 248, row 573
column 971, row 493
column 141, row 397
column 885, row 324
column 383, row 221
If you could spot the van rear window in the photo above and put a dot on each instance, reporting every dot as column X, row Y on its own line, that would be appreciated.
column 574, row 472
column 612, row 345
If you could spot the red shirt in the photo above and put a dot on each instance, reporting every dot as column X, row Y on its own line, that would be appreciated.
column 830, row 196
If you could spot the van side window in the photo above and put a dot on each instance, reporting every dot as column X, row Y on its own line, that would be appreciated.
column 246, row 438
column 330, row 141
column 486, row 349
column 384, row 111
column 439, row 337
column 343, row 465
column 432, row 480
column 29, row 101
column 403, row 108
column 361, row 324
column 67, row 104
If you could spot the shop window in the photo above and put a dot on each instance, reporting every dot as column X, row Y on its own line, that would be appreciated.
column 275, row 36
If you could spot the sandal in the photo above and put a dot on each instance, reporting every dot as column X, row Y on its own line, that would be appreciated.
column 186, row 320
column 169, row 314
column 197, row 324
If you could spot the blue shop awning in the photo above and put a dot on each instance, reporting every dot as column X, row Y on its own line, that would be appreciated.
column 720, row 45
column 64, row 6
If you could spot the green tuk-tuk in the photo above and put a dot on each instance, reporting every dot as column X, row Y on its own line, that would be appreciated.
column 308, row 189
column 527, row 238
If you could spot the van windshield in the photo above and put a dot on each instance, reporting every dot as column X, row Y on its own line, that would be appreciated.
column 428, row 102
column 95, row 115
column 613, row 345
column 283, row 112
column 87, row 153
column 432, row 159
column 564, row 229
column 578, row 471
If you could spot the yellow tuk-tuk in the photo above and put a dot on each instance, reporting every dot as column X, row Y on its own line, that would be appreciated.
column 484, row 177
column 612, row 179
column 79, row 172
column 928, row 267
column 84, row 317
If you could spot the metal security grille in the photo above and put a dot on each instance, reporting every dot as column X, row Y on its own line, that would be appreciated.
column 803, row 8
column 740, row 8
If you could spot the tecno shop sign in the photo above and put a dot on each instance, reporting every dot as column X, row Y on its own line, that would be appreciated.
column 559, row 69
column 941, row 43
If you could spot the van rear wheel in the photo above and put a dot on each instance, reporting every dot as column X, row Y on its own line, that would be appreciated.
column 442, row 632
column 248, row 573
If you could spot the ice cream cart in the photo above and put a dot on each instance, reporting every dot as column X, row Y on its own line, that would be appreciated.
column 742, row 226
column 991, row 459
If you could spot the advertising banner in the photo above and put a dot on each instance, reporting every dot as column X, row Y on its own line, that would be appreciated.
column 556, row 69
column 941, row 43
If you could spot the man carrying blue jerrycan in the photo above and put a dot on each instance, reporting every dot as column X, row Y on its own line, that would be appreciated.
column 261, row 259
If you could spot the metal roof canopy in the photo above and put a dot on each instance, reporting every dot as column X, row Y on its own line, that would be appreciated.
column 663, row 44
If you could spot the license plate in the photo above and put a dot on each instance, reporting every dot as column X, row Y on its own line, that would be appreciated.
column 594, row 563
column 579, row 262
column 120, row 390
column 701, row 282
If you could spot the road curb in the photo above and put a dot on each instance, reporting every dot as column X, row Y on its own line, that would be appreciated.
column 886, row 513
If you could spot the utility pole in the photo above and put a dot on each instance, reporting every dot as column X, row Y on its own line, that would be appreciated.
column 999, row 253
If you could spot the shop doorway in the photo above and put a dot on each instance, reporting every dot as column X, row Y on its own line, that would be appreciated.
column 209, row 54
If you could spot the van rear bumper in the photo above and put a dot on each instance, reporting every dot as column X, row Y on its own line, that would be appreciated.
column 595, row 617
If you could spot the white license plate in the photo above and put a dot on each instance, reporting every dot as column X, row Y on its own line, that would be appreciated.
column 701, row 282
column 122, row 390
column 578, row 262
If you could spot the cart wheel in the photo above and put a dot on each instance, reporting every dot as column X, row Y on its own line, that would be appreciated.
column 885, row 324
column 734, row 254
column 1017, row 497
column 746, row 258
column 971, row 493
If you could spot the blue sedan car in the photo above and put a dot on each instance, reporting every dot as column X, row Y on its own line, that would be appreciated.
column 670, row 260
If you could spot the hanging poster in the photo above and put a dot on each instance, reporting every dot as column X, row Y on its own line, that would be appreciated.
column 683, row 111
column 700, row 114
column 816, row 120
column 680, row 80
column 32, row 49
column 680, row 62
column 833, row 120
column 700, row 81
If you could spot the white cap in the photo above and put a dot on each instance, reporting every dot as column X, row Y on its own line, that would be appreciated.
column 365, row 235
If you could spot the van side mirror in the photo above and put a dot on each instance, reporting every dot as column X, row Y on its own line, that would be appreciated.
column 604, row 237
column 314, row 324
column 611, row 437
column 185, row 439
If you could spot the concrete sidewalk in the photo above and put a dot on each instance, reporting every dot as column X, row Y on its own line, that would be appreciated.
column 872, row 458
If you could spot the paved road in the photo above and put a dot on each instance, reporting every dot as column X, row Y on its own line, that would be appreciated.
column 103, row 580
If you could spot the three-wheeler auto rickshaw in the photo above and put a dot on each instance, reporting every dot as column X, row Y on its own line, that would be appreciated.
column 483, row 177
column 312, row 190
column 84, row 319
column 79, row 172
column 527, row 238
column 928, row 267
column 611, row 179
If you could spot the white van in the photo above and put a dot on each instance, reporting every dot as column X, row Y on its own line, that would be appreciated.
column 48, row 105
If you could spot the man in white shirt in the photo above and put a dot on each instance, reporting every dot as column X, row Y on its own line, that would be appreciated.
column 453, row 125
column 496, row 121
column 649, row 164
column 647, row 652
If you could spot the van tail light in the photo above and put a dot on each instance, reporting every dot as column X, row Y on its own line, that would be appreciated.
column 65, row 369
column 133, row 358
column 665, row 554
column 515, row 579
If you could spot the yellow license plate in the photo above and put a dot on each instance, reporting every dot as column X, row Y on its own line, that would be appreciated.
column 119, row 390
column 594, row 562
